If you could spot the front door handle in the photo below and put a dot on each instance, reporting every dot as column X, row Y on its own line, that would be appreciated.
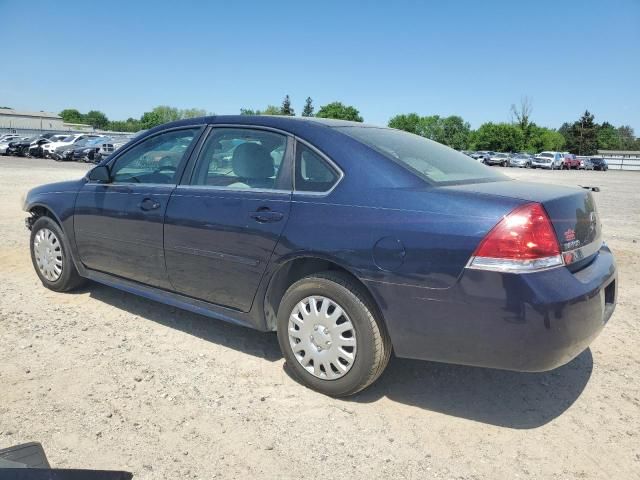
column 149, row 204
column 265, row 215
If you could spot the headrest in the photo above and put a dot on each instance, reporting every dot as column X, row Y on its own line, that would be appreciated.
column 251, row 160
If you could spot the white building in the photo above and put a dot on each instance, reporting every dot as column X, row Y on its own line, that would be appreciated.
column 15, row 119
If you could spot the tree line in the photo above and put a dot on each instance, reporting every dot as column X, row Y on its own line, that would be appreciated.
column 159, row 115
column 583, row 136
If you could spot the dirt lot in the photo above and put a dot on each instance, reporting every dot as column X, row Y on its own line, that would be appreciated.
column 108, row 380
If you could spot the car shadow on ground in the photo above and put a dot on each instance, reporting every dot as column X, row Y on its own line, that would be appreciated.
column 498, row 397
column 246, row 340
column 508, row 399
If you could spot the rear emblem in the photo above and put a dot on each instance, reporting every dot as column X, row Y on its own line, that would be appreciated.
column 570, row 235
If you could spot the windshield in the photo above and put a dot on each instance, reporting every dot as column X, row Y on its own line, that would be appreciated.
column 546, row 155
column 96, row 141
column 430, row 160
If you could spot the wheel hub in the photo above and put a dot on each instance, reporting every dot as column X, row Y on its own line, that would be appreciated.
column 48, row 254
column 322, row 337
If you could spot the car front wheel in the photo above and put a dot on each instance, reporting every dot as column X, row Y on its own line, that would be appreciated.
column 50, row 256
column 331, row 335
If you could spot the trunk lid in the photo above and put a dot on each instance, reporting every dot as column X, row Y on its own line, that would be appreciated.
column 572, row 212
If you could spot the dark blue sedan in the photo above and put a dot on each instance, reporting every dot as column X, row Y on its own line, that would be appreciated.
column 348, row 240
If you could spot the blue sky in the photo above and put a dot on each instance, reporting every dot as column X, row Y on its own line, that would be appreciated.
column 470, row 58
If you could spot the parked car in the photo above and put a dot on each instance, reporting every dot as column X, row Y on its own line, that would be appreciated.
column 557, row 159
column 449, row 260
column 570, row 161
column 482, row 156
column 64, row 152
column 585, row 164
column 542, row 161
column 21, row 147
column 9, row 137
column 85, row 151
column 501, row 159
column 36, row 149
column 549, row 160
column 109, row 148
column 522, row 160
column 4, row 144
column 599, row 163
column 49, row 149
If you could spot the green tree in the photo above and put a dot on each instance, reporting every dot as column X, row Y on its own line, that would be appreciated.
column 541, row 138
column 307, row 111
column 249, row 111
column 608, row 138
column 568, row 133
column 587, row 134
column 501, row 137
column 96, row 119
column 455, row 132
column 71, row 115
column 286, row 108
column 431, row 127
column 627, row 138
column 271, row 110
column 166, row 113
column 452, row 131
column 339, row 111
column 150, row 119
column 522, row 116
column 409, row 122
column 581, row 137
column 193, row 113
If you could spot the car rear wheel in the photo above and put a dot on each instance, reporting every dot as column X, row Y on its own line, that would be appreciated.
column 331, row 335
column 50, row 257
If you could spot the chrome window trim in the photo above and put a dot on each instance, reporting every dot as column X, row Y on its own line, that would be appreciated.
column 237, row 190
column 324, row 157
column 137, row 141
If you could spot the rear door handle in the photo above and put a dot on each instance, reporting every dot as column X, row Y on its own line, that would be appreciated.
column 266, row 216
column 149, row 204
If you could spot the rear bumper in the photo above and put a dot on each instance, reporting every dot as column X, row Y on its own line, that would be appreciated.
column 524, row 322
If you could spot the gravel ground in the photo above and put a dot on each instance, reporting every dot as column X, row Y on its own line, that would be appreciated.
column 107, row 380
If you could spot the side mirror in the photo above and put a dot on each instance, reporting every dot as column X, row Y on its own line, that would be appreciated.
column 100, row 174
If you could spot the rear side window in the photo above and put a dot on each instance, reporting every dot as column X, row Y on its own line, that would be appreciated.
column 432, row 161
column 313, row 173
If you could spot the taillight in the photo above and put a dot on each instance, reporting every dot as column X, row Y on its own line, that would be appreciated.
column 523, row 241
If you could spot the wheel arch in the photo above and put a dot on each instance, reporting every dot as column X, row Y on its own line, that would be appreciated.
column 38, row 210
column 293, row 269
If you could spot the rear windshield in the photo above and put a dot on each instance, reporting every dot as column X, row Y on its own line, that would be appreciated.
column 430, row 160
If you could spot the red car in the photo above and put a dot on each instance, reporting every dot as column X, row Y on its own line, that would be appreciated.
column 570, row 161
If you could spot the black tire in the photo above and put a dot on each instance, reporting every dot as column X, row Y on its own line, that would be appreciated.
column 69, row 278
column 373, row 343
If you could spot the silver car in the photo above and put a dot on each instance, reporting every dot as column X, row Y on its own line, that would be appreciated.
column 521, row 160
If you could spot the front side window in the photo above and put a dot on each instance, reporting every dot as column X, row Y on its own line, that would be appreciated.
column 241, row 158
column 313, row 174
column 155, row 160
